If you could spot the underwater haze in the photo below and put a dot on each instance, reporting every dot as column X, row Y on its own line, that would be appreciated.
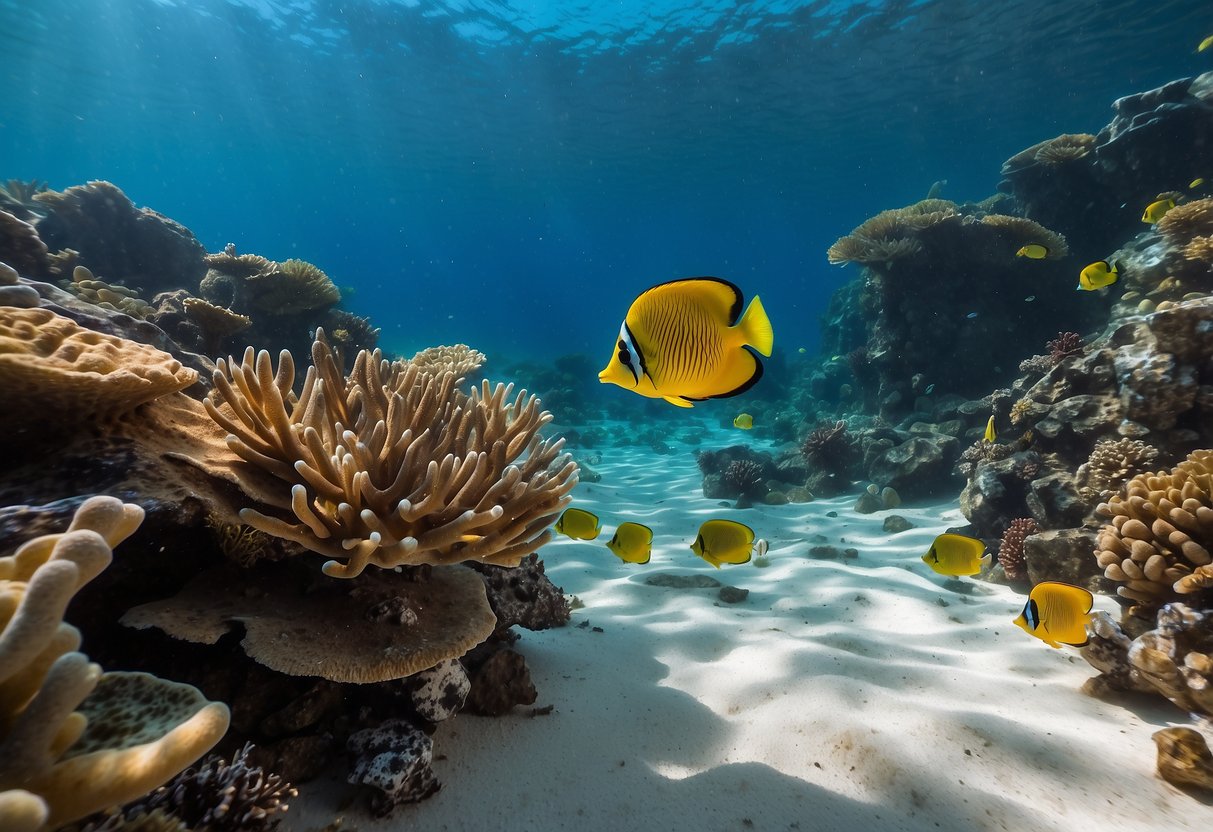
column 512, row 174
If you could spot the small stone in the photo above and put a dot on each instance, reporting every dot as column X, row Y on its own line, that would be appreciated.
column 831, row 514
column 895, row 523
column 868, row 503
column 775, row 498
column 824, row 552
column 799, row 494
column 850, row 553
column 1184, row 758
column 733, row 594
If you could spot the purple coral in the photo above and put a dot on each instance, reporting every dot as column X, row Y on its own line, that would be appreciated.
column 1010, row 552
column 829, row 448
column 1063, row 346
column 743, row 475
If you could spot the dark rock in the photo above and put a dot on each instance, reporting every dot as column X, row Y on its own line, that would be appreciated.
column 733, row 594
column 895, row 523
column 296, row 759
column 921, row 465
column 1065, row 555
column 524, row 595
column 321, row 700
column 681, row 581
column 499, row 684
column 394, row 759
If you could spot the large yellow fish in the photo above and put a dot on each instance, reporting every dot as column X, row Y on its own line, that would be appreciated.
column 632, row 543
column 687, row 340
column 744, row 421
column 1033, row 251
column 1099, row 274
column 1057, row 614
column 578, row 524
column 955, row 555
column 1156, row 210
column 724, row 541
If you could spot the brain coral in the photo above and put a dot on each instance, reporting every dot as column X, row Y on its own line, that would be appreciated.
column 53, row 369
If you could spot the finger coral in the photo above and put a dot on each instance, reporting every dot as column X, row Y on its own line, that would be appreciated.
column 1156, row 544
column 394, row 466
column 72, row 739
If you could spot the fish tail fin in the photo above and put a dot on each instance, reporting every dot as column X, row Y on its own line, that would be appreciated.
column 756, row 327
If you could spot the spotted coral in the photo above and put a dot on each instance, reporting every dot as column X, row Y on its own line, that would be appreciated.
column 1010, row 550
column 71, row 738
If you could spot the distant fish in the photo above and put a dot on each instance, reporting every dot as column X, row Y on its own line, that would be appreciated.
column 1057, row 614
column 930, row 389
column 971, row 315
column 687, row 340
column 1205, row 44
column 1029, row 298
column 1196, row 183
column 1033, row 251
column 990, row 435
column 1155, row 211
column 744, row 421
column 1099, row 274
column 724, row 541
column 632, row 543
column 955, row 555
column 802, row 350
column 936, row 189
column 578, row 524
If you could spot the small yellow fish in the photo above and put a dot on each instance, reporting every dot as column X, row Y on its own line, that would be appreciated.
column 1033, row 251
column 1205, row 44
column 802, row 350
column 632, row 543
column 1196, row 183
column 1155, row 211
column 724, row 541
column 1057, row 614
column 990, row 435
column 578, row 524
column 688, row 340
column 1099, row 274
column 955, row 555
column 744, row 421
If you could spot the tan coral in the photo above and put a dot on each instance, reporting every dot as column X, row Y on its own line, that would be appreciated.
column 55, row 743
column 110, row 296
column 53, row 371
column 374, row 628
column 1159, row 530
column 1021, row 231
column 889, row 234
column 1112, row 461
column 459, row 359
column 393, row 466
column 216, row 322
column 1184, row 222
column 1064, row 148
column 292, row 286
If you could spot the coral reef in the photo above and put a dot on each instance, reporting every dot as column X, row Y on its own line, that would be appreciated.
column 134, row 246
column 17, row 198
column 21, row 247
column 523, row 595
column 76, row 739
column 1111, row 464
column 446, row 488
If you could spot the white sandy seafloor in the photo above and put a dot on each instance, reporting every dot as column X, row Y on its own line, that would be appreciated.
column 843, row 694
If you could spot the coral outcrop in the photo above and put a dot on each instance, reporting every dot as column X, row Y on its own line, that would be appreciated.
column 75, row 739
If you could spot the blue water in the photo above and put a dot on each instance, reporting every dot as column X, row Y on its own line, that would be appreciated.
column 510, row 174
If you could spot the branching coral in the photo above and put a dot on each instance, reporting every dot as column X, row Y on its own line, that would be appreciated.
column 1010, row 551
column 1111, row 463
column 76, row 740
column 459, row 359
column 1156, row 544
column 393, row 465
column 743, row 475
column 1063, row 346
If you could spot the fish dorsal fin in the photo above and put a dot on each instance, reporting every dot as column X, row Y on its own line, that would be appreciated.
column 719, row 295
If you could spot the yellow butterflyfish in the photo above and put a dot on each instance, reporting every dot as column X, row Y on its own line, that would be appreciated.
column 744, row 421
column 1156, row 210
column 1205, row 44
column 1196, row 183
column 578, row 524
column 1033, row 251
column 955, row 555
column 1057, row 614
column 724, row 541
column 1099, row 274
column 990, row 434
column 632, row 543
column 688, row 340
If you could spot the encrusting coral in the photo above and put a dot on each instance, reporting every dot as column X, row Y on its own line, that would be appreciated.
column 1156, row 543
column 394, row 466
column 72, row 739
